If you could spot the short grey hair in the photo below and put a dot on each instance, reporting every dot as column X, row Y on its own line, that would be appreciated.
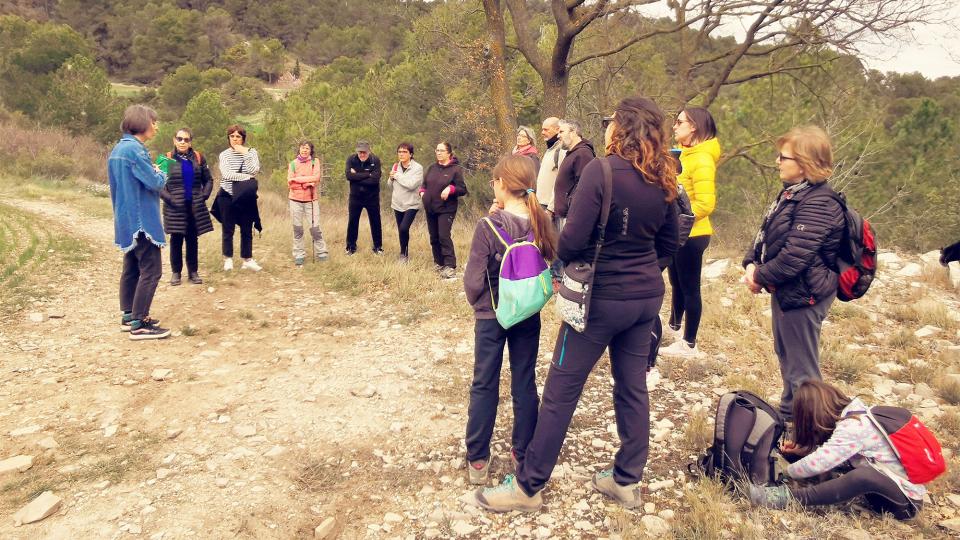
column 573, row 125
column 527, row 132
column 551, row 122
column 137, row 119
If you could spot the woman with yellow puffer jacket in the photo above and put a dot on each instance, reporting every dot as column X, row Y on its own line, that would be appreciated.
column 696, row 133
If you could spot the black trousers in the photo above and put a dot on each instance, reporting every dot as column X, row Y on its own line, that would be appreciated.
column 881, row 493
column 440, row 227
column 404, row 222
column 684, row 273
column 142, row 268
column 176, row 246
column 230, row 223
column 523, row 342
column 624, row 326
column 356, row 205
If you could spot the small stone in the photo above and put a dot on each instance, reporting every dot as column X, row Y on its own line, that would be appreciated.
column 954, row 499
column 41, row 507
column 655, row 525
column 923, row 390
column 16, row 464
column 391, row 517
column 161, row 374
column 173, row 433
column 583, row 525
column 29, row 430
column 927, row 331
column 856, row 534
column 325, row 529
column 110, row 431
column 431, row 533
column 56, row 314
column 48, row 443
column 715, row 269
column 903, row 389
column 36, row 317
column 910, row 270
column 649, row 508
column 666, row 514
column 244, row 431
column 653, row 487
column 951, row 524
column 598, row 443
column 462, row 528
column 163, row 474
column 221, row 482
column 275, row 451
column 364, row 392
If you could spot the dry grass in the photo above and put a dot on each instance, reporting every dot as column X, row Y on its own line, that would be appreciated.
column 949, row 390
column 706, row 514
column 842, row 363
column 948, row 429
column 697, row 432
column 51, row 154
column 748, row 382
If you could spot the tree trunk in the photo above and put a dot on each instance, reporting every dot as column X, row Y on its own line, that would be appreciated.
column 555, row 95
column 496, row 60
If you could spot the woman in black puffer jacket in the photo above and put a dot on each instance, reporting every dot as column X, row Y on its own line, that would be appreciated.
column 794, row 256
column 185, row 215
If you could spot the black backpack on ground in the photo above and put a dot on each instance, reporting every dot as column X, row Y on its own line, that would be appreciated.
column 746, row 435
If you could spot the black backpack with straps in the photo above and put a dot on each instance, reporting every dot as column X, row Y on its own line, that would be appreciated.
column 746, row 435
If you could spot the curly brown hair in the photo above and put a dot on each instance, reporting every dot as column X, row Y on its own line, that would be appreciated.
column 640, row 136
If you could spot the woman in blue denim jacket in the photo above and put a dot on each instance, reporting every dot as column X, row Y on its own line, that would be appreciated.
column 135, row 185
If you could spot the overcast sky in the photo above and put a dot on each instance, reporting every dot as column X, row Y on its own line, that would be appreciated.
column 933, row 50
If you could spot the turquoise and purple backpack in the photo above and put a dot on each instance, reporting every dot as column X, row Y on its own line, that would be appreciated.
column 525, row 280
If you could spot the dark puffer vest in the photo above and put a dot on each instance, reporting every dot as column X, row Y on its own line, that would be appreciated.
column 803, row 238
column 174, row 212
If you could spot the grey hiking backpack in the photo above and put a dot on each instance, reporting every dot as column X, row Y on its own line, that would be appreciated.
column 746, row 435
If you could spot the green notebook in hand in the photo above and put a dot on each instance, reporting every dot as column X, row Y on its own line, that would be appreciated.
column 164, row 163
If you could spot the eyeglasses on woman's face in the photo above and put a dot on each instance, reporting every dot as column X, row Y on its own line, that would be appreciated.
column 781, row 157
column 182, row 139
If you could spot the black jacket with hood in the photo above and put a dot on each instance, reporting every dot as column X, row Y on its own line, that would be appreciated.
column 436, row 179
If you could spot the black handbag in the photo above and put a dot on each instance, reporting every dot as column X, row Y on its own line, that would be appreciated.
column 576, row 284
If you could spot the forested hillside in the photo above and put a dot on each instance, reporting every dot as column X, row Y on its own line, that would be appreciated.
column 337, row 71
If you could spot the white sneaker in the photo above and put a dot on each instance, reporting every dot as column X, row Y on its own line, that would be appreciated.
column 250, row 264
column 227, row 265
column 681, row 349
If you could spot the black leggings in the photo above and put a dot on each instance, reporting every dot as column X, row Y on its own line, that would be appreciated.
column 684, row 273
column 882, row 493
column 404, row 222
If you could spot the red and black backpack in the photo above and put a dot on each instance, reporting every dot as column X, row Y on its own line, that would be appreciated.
column 916, row 447
column 857, row 260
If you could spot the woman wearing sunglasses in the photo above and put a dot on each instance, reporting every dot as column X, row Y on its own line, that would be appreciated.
column 185, row 215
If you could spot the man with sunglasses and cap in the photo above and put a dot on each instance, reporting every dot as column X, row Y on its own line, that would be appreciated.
column 363, row 172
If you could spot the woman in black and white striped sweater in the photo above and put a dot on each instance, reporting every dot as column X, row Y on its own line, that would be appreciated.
column 237, row 200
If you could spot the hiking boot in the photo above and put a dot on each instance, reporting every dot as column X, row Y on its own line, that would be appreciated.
column 682, row 349
column 141, row 331
column 126, row 322
column 194, row 278
column 378, row 251
column 321, row 258
column 250, row 264
column 776, row 497
column 175, row 279
column 479, row 472
column 507, row 497
column 227, row 265
column 448, row 273
column 628, row 496
column 298, row 261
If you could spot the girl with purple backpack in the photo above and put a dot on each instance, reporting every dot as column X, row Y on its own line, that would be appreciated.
column 517, row 213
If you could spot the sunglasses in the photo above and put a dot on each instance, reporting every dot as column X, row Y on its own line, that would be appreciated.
column 182, row 139
column 605, row 121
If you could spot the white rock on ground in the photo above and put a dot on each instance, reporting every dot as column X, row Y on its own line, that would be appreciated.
column 715, row 269
column 48, row 443
column 161, row 374
column 955, row 274
column 324, row 529
column 910, row 270
column 244, row 431
column 15, row 464
column 951, row 524
column 927, row 331
column 41, row 507
column 655, row 526
column 889, row 257
column 28, row 430
column 462, row 528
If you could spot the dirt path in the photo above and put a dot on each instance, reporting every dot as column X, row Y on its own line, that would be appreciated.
column 278, row 405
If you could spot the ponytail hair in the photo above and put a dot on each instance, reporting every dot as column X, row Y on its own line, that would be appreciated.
column 519, row 177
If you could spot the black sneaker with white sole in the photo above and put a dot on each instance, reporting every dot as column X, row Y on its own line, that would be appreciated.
column 125, row 323
column 148, row 331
